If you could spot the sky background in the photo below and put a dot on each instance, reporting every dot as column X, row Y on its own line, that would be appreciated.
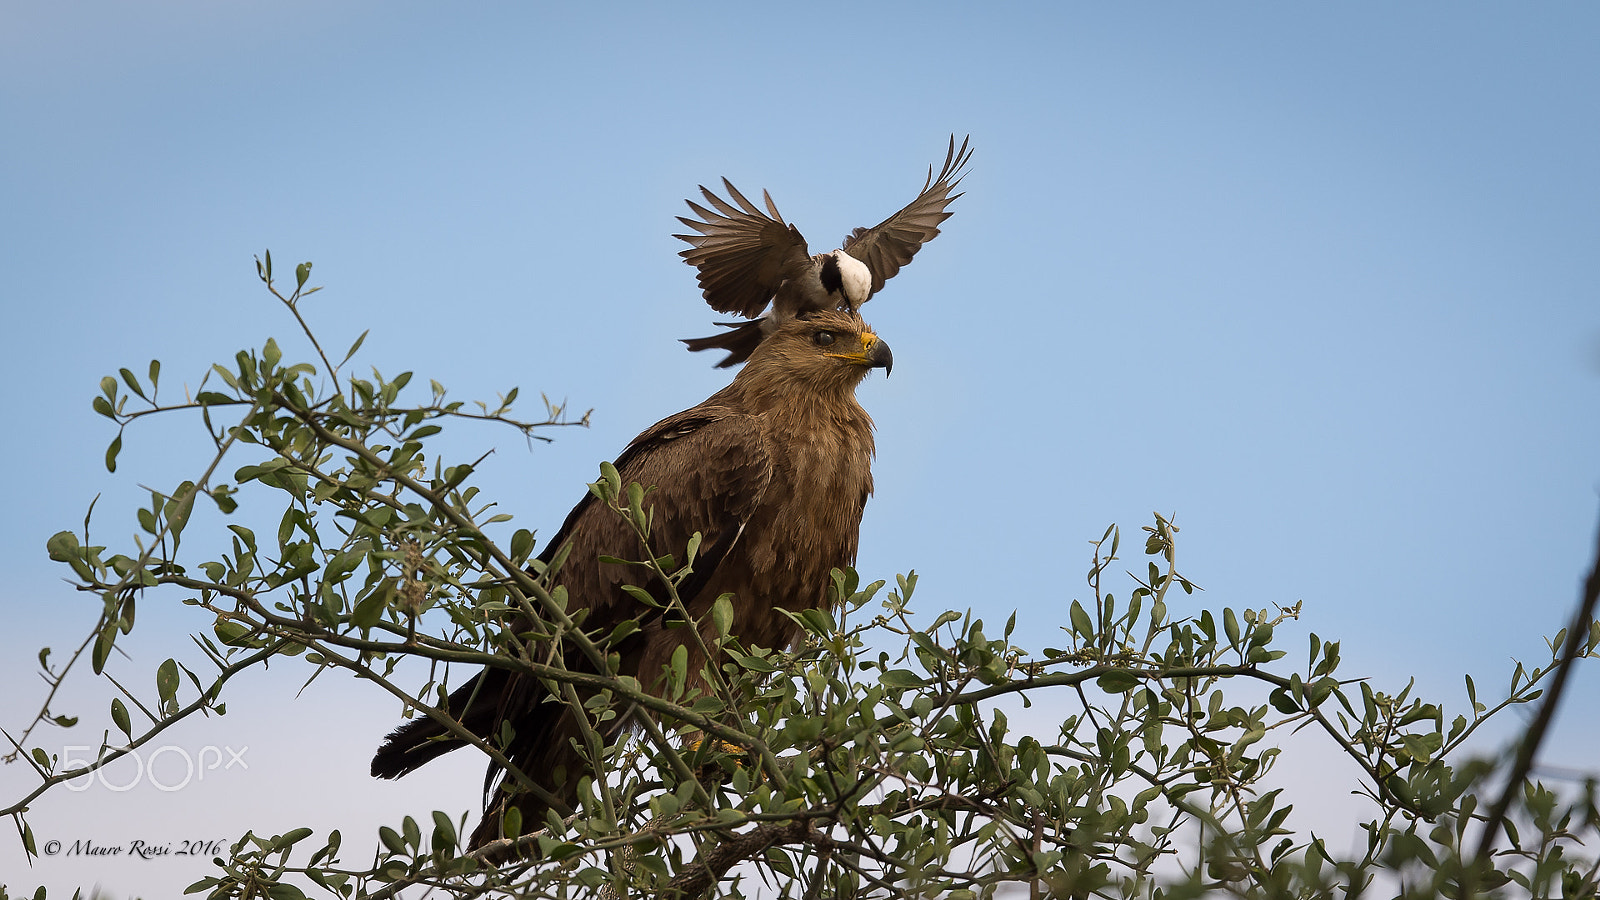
column 1320, row 283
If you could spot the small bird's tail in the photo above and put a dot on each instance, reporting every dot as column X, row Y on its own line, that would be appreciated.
column 740, row 342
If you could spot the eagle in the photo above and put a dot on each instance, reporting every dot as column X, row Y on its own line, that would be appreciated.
column 749, row 259
column 772, row 472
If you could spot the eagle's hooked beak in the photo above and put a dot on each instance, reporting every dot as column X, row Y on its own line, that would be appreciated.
column 874, row 354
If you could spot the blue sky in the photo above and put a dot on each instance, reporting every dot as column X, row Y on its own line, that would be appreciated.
column 1319, row 282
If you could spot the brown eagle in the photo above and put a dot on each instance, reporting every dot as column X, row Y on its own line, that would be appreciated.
column 749, row 258
column 772, row 472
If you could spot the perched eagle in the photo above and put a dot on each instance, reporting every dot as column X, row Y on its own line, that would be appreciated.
column 748, row 258
column 772, row 471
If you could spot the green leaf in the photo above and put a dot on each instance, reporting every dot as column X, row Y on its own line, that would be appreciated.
column 641, row 595
column 391, row 840
column 352, row 351
column 521, row 544
column 178, row 508
column 512, row 822
column 444, row 832
column 112, row 451
column 167, row 681
column 102, row 647
column 1117, row 681
column 62, row 546
column 1260, row 655
column 1082, row 625
column 901, row 678
column 232, row 633
column 753, row 663
column 722, row 614
column 369, row 610
column 636, row 504
column 132, row 381
column 819, row 622
column 245, row 535
column 680, row 663
column 623, row 629
column 345, row 562
column 612, row 481
column 301, row 273
column 119, row 717
column 1283, row 702
column 289, row 839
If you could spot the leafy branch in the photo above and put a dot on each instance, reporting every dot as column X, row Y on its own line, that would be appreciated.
column 874, row 758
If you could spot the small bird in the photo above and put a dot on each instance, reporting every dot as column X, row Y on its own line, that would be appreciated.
column 749, row 259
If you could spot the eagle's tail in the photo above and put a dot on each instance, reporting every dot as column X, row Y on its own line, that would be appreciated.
column 740, row 342
column 422, row 740
column 543, row 745
column 546, row 747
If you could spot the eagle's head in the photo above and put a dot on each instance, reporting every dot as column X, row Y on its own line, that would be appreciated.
column 828, row 351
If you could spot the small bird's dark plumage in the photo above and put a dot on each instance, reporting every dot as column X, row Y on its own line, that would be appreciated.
column 750, row 258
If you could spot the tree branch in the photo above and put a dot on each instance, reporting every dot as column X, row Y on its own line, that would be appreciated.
column 1577, row 640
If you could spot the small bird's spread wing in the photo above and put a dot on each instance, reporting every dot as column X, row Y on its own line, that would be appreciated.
column 890, row 244
column 743, row 254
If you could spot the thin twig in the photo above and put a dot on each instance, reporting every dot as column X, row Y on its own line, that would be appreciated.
column 1577, row 640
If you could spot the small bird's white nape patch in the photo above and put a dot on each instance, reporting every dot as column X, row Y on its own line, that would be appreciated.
column 856, row 279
